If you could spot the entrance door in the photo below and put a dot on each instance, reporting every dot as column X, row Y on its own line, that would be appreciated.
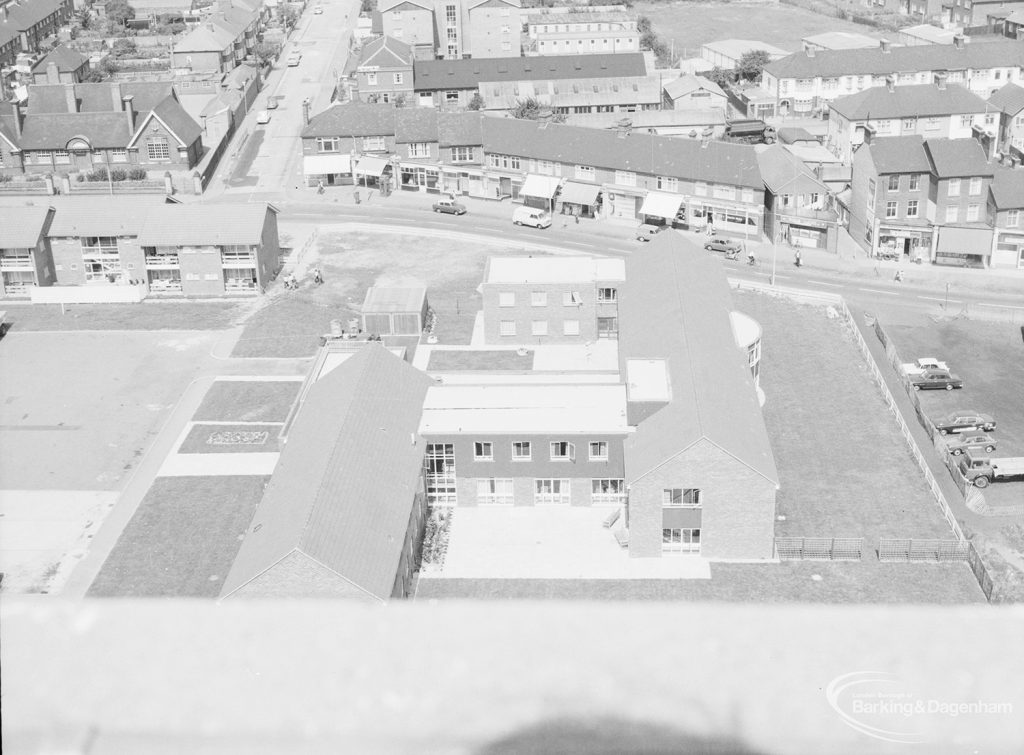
column 505, row 184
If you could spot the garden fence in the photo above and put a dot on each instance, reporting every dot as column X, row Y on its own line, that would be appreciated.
column 892, row 549
column 819, row 548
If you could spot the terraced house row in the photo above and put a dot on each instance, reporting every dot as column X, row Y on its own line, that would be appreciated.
column 26, row 23
column 585, row 171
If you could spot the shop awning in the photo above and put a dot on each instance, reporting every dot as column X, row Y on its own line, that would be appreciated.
column 369, row 165
column 321, row 165
column 543, row 187
column 661, row 205
column 579, row 193
column 965, row 240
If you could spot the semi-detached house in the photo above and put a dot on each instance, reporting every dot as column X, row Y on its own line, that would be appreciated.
column 26, row 23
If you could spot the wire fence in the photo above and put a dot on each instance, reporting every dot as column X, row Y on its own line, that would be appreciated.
column 819, row 548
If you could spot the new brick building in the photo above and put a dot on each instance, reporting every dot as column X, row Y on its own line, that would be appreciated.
column 454, row 29
column 581, row 30
column 25, row 258
column 385, row 71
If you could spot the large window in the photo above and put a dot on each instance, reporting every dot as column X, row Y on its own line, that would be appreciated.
column 462, row 154
column 598, row 450
column 954, row 187
column 538, row 299
column 521, row 450
column 891, row 209
column 496, row 490
column 551, row 491
column 507, row 327
column 450, row 15
column 952, row 213
column 371, row 78
column 975, row 188
column 585, row 172
column 399, row 78
column 503, row 161
column 539, row 328
column 374, row 144
column 666, row 183
column 915, row 182
column 451, row 96
column 506, row 299
column 625, row 178
column 912, row 206
column 157, row 148
column 894, row 183
column 327, row 144
column 101, row 259
column 483, row 451
column 687, row 498
column 680, row 540
column 439, row 463
column 1012, row 218
column 563, row 451
column 973, row 212
column 607, row 294
column 607, row 491
column 419, row 149
column 570, row 327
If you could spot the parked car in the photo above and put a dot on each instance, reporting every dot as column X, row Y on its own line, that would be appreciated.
column 970, row 441
column 648, row 231
column 963, row 421
column 934, row 379
column 294, row 59
column 271, row 102
column 449, row 206
column 719, row 244
column 263, row 116
column 317, row 10
column 531, row 216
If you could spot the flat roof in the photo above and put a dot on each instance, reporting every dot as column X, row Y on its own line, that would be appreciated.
column 647, row 380
column 554, row 269
column 524, row 409
column 394, row 299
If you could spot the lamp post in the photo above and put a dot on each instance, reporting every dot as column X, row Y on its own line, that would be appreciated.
column 775, row 237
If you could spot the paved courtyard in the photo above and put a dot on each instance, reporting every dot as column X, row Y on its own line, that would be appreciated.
column 549, row 542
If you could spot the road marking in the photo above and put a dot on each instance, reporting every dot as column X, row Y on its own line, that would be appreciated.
column 823, row 283
column 1001, row 306
column 879, row 291
column 939, row 298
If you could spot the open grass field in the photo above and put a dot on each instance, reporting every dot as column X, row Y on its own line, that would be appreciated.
column 231, row 439
column 183, row 538
column 149, row 315
column 479, row 360
column 845, row 470
column 230, row 401
column 691, row 25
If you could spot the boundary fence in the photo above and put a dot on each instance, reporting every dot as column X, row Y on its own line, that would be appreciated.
column 910, row 549
column 819, row 548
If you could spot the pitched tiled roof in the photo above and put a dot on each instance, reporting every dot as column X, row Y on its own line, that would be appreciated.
column 8, row 127
column 953, row 158
column 899, row 154
column 205, row 39
column 172, row 113
column 831, row 63
column 793, row 134
column 65, row 58
column 674, row 306
column 21, row 227
column 1009, row 99
column 416, row 124
column 785, row 173
column 204, row 224
column 459, row 129
column 99, row 216
column 468, row 73
column 386, row 52
column 343, row 490
column 353, row 119
column 54, row 130
column 687, row 83
column 717, row 162
column 919, row 100
column 1008, row 189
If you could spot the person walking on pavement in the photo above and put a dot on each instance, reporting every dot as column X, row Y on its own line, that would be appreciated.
column 318, row 277
column 797, row 261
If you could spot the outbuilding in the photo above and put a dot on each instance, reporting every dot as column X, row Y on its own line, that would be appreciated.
column 391, row 311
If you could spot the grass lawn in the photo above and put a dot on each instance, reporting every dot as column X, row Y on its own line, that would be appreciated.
column 694, row 24
column 149, row 315
column 844, row 467
column 479, row 360
column 231, row 439
column 869, row 581
column 182, row 540
column 248, row 401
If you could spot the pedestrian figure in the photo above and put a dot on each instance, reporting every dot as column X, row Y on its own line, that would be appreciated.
column 318, row 277
column 320, row 187
column 577, row 219
column 899, row 276
column 797, row 257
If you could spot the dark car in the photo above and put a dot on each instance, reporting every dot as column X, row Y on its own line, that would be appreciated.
column 935, row 379
column 971, row 441
column 959, row 422
column 718, row 244
column 450, row 206
column 648, row 231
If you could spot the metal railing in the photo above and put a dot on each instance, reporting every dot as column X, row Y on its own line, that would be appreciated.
column 162, row 260
column 15, row 263
column 893, row 549
column 819, row 548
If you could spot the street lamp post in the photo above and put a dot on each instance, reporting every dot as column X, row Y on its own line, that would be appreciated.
column 775, row 237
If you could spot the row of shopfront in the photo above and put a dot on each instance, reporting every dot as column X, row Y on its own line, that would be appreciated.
column 551, row 193
column 958, row 246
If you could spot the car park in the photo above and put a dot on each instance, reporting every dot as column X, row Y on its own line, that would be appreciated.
column 531, row 216
column 720, row 244
column 648, row 231
column 971, row 441
column 449, row 206
column 263, row 116
column 963, row 421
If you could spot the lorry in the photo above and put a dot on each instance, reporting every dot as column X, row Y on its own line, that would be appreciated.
column 981, row 469
column 750, row 131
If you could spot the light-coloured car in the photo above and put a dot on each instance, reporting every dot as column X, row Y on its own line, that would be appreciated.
column 971, row 441
column 263, row 116
column 531, row 216
column 294, row 59
column 647, row 231
column 317, row 10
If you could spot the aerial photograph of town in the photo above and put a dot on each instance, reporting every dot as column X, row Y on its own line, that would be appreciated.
column 511, row 376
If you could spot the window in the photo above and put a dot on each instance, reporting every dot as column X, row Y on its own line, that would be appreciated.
column 607, row 491
column 952, row 213
column 157, row 148
column 598, row 450
column 966, row 121
column 452, row 95
column 625, row 178
column 912, row 208
column 551, row 491
column 680, row 540
column 668, row 184
column 327, row 144
column 399, row 78
column 503, row 161
column 419, row 149
column 973, row 210
column 449, row 14
column 723, row 192
column 496, row 490
column 507, row 328
column 462, row 154
column 539, row 328
column 571, row 299
column 371, row 78
column 871, row 195
column 374, row 144
column 439, row 465
column 891, row 209
column 909, row 124
column 1012, row 218
column 538, row 299
column 585, row 172
column 521, row 450
column 687, row 498
column 607, row 294
column 563, row 451
column 61, row 156
column 507, row 299
column 894, row 183
column 915, row 182
column 570, row 327
column 954, row 187
column 975, row 187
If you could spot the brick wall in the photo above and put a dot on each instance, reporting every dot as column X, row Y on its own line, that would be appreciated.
column 554, row 313
column 205, row 267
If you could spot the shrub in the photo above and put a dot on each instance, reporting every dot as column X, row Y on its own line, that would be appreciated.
column 100, row 174
column 137, row 174
column 118, row 174
column 4, row 178
column 80, row 177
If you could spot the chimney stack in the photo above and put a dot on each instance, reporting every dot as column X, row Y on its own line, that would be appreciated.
column 305, row 112
column 705, row 137
column 940, row 80
column 958, row 41
column 809, row 49
column 890, row 83
column 70, row 98
column 886, row 45
column 126, row 102
column 17, row 120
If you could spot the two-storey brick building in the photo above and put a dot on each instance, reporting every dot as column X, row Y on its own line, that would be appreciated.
column 25, row 258
column 23, row 25
column 454, row 29
column 385, row 71
column 1008, row 104
column 1006, row 210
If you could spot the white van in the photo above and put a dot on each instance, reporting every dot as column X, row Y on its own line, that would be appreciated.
column 531, row 216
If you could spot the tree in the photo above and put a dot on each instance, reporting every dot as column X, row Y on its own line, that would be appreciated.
column 719, row 76
column 119, row 12
column 751, row 64
column 476, row 102
column 266, row 52
column 84, row 19
column 368, row 6
column 289, row 17
column 531, row 110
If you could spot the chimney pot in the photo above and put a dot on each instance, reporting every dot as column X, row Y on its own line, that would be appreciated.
column 890, row 83
column 885, row 45
column 958, row 41
column 809, row 50
column 126, row 103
